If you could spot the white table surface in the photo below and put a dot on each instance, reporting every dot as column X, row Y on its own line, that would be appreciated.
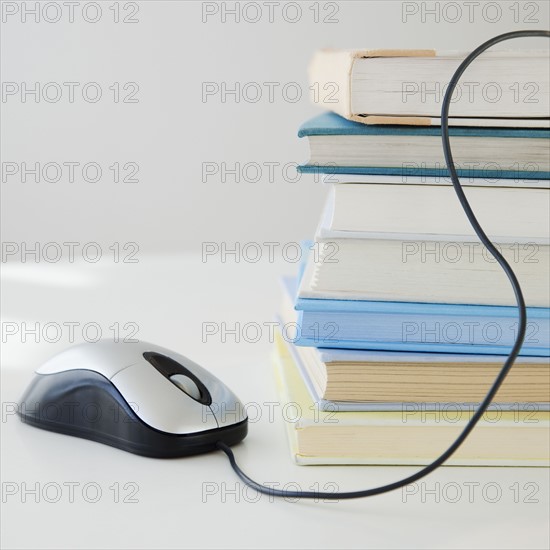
column 169, row 300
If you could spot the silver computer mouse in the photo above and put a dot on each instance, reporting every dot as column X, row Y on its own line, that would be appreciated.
column 135, row 396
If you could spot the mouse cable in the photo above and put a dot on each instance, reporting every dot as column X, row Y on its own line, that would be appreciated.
column 503, row 264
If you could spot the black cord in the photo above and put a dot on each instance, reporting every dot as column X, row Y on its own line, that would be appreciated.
column 503, row 264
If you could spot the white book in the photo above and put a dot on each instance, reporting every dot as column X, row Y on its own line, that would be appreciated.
column 424, row 271
column 413, row 243
column 329, row 179
column 502, row 88
column 433, row 212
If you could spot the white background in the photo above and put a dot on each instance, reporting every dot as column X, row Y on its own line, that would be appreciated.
column 171, row 291
column 171, row 131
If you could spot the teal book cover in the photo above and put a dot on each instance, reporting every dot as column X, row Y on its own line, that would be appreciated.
column 331, row 124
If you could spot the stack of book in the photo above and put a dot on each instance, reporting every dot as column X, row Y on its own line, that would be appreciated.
column 400, row 320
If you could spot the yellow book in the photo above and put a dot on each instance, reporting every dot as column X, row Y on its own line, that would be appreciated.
column 506, row 436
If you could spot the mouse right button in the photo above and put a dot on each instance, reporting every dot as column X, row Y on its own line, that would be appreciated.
column 226, row 406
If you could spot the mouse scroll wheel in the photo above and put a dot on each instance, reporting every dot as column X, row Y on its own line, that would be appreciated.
column 185, row 384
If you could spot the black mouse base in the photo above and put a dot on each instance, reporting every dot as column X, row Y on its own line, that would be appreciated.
column 90, row 407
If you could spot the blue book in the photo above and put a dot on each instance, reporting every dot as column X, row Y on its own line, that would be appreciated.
column 414, row 327
column 341, row 146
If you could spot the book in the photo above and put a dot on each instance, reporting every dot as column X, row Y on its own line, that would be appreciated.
column 433, row 213
column 413, row 243
column 423, row 266
column 412, row 327
column 502, row 88
column 405, row 179
column 365, row 380
column 409, row 437
column 443, row 272
column 341, row 146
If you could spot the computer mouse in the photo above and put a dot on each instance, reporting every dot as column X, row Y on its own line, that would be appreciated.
column 136, row 396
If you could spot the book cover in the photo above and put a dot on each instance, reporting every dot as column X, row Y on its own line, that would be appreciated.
column 414, row 327
column 331, row 124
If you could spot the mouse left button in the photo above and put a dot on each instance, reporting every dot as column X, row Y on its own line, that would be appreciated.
column 104, row 357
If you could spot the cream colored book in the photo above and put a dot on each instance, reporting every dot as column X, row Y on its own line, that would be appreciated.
column 393, row 86
column 423, row 272
column 504, row 437
column 432, row 212
column 384, row 380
